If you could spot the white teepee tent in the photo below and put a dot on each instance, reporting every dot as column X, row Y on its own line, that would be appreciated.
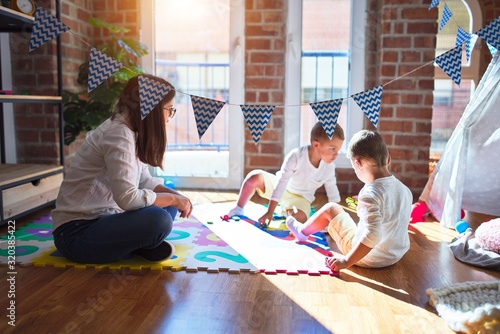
column 468, row 173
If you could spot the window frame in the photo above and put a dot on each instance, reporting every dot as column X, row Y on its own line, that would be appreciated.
column 236, row 95
column 357, row 46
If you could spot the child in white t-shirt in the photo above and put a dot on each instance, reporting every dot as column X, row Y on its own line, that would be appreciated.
column 303, row 171
column 380, row 238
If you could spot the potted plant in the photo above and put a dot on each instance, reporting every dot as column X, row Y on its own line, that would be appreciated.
column 84, row 111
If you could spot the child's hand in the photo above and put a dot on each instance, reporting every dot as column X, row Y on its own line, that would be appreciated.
column 336, row 263
column 266, row 219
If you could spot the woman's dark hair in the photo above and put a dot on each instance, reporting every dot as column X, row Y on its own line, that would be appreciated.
column 151, row 139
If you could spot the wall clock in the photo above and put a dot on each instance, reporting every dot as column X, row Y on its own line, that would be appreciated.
column 27, row 7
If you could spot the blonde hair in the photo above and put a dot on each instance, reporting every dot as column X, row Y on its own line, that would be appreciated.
column 366, row 144
column 318, row 133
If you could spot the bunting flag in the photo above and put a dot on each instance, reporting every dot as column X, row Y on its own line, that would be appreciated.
column 257, row 118
column 469, row 45
column 101, row 67
column 451, row 63
column 447, row 14
column 328, row 114
column 493, row 51
column 462, row 36
column 491, row 33
column 369, row 102
column 151, row 92
column 45, row 28
column 434, row 3
column 205, row 111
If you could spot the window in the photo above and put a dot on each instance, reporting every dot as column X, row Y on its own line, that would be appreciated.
column 450, row 99
column 194, row 44
column 328, row 66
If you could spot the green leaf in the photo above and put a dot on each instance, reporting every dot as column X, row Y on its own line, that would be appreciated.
column 98, row 23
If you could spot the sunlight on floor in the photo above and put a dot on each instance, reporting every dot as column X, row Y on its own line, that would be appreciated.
column 331, row 302
column 434, row 231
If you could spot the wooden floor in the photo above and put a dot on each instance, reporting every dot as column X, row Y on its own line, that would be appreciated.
column 391, row 300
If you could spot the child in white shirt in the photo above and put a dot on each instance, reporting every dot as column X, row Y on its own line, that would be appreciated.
column 303, row 171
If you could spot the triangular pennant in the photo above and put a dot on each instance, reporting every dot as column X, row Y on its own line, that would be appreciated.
column 45, row 27
column 328, row 114
column 101, row 67
column 151, row 92
column 205, row 111
column 447, row 14
column 469, row 45
column 369, row 102
column 493, row 51
column 433, row 4
column 462, row 36
column 257, row 118
column 491, row 33
column 451, row 63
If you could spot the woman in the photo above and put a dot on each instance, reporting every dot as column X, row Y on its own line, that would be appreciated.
column 109, row 206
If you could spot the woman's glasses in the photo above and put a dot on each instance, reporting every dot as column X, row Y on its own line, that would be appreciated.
column 171, row 111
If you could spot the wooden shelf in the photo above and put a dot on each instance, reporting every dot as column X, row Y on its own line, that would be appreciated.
column 12, row 21
column 30, row 99
column 12, row 174
column 28, row 187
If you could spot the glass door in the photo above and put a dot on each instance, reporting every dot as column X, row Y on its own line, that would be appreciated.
column 196, row 47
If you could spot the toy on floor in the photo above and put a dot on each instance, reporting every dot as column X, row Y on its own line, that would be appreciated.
column 265, row 224
column 461, row 226
column 352, row 202
column 225, row 218
column 418, row 212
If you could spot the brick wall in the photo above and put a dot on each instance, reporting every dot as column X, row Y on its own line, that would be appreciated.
column 123, row 13
column 264, row 78
column 34, row 74
column 401, row 37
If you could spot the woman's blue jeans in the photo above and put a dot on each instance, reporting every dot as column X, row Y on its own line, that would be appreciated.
column 110, row 238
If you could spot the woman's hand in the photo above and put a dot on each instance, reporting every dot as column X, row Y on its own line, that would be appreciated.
column 181, row 202
column 184, row 206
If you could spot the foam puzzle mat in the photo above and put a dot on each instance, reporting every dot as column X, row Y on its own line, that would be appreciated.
column 203, row 242
column 271, row 249
column 196, row 248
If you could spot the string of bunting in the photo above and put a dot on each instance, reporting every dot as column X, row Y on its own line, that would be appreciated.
column 102, row 66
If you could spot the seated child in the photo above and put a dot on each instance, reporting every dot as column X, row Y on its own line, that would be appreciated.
column 303, row 171
column 380, row 238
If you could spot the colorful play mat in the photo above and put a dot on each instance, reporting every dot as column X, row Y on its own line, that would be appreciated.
column 203, row 242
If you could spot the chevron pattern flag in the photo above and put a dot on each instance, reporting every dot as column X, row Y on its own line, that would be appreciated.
column 257, row 118
column 493, row 51
column 451, row 63
column 491, row 33
column 45, row 28
column 447, row 14
column 151, row 92
column 205, row 111
column 469, row 45
column 369, row 102
column 101, row 67
column 328, row 114
column 434, row 3
column 462, row 36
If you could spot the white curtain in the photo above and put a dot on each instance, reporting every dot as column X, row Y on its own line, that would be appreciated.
column 468, row 173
